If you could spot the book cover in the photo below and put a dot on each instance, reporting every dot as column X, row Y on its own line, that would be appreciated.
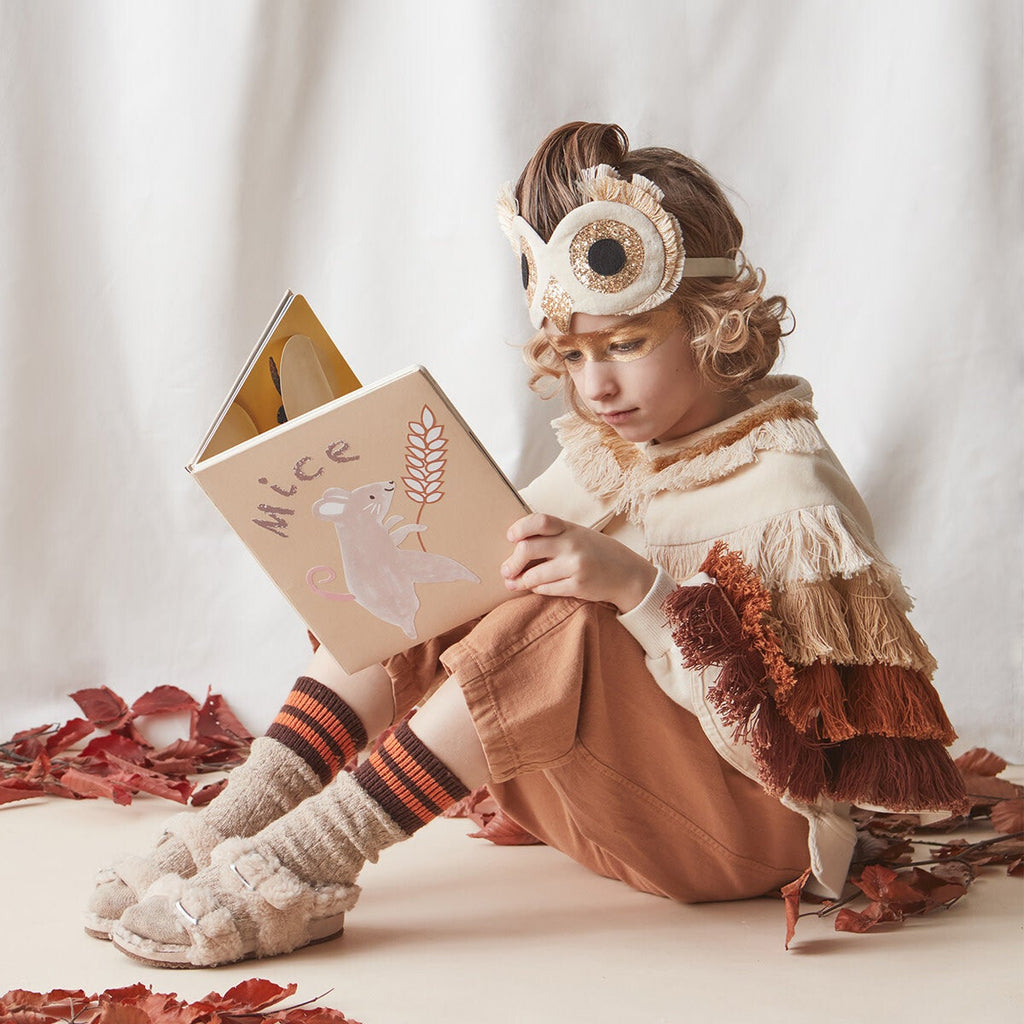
column 378, row 513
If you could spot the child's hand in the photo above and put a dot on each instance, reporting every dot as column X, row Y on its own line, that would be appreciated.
column 561, row 559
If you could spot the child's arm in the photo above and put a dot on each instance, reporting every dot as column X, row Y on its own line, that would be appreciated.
column 560, row 559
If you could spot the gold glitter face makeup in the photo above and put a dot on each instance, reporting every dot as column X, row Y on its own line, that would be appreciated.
column 633, row 339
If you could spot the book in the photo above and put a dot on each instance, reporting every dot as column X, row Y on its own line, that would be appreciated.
column 374, row 509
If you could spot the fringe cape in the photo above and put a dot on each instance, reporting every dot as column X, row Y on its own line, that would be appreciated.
column 821, row 673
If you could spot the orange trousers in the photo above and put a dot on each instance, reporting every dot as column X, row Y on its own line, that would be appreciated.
column 588, row 754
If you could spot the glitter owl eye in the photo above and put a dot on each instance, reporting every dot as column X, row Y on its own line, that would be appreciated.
column 529, row 268
column 606, row 255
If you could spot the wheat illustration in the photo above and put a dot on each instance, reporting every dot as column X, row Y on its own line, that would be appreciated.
column 424, row 462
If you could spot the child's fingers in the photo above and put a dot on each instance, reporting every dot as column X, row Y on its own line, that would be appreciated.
column 536, row 524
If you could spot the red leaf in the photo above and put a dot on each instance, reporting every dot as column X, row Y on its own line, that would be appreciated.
column 848, row 920
column 101, row 705
column 18, row 789
column 164, row 700
column 1008, row 816
column 68, row 735
column 251, row 995
column 201, row 797
column 979, row 761
column 791, row 895
column 145, row 781
column 114, row 746
column 503, row 831
column 179, row 757
column 216, row 720
column 29, row 742
column 88, row 785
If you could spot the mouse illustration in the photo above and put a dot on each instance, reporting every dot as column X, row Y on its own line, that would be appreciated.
column 380, row 575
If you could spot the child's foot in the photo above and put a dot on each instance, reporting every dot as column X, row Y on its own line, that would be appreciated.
column 291, row 884
column 272, row 781
column 245, row 905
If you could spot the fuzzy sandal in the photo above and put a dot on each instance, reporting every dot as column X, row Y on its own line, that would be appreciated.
column 117, row 888
column 245, row 905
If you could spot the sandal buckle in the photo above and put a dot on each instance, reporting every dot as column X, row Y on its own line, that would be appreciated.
column 184, row 913
column 245, row 881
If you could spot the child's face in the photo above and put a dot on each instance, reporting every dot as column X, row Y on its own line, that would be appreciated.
column 638, row 375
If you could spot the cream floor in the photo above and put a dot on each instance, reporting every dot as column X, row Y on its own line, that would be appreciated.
column 451, row 929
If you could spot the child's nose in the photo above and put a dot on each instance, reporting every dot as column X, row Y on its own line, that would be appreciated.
column 599, row 380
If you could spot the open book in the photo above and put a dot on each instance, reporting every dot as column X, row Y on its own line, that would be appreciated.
column 374, row 509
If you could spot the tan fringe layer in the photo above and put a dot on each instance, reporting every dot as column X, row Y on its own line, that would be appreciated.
column 606, row 465
column 856, row 621
column 806, row 545
column 812, row 731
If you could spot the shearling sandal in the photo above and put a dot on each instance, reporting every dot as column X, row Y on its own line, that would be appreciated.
column 271, row 781
column 186, row 840
column 244, row 906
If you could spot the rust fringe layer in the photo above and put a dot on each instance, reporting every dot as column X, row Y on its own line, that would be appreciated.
column 869, row 733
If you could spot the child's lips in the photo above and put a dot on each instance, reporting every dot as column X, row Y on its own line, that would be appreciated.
column 614, row 418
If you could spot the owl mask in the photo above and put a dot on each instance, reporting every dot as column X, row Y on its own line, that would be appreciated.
column 618, row 252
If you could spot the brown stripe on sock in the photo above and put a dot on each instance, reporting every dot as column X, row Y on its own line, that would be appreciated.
column 320, row 727
column 409, row 781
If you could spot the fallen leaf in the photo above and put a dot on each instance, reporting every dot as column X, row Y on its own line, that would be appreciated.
column 103, row 707
column 84, row 784
column 68, row 735
column 201, row 797
column 1008, row 816
column 791, row 895
column 164, row 700
column 979, row 761
column 848, row 920
column 217, row 721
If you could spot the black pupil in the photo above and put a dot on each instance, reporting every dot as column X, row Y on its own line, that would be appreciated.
column 606, row 257
column 524, row 264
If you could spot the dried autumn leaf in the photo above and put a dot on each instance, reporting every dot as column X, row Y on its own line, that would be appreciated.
column 791, row 895
column 848, row 920
column 503, row 831
column 201, row 797
column 251, row 995
column 12, row 790
column 178, row 758
column 215, row 720
column 1008, row 816
column 116, row 745
column 84, row 784
column 103, row 707
column 979, row 761
column 164, row 700
column 68, row 735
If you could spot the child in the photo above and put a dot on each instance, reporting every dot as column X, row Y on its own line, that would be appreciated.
column 708, row 658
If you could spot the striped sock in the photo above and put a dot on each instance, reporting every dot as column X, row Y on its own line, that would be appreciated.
column 320, row 727
column 409, row 782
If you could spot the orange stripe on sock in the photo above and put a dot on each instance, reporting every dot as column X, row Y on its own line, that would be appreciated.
column 400, row 789
column 430, row 786
column 311, row 736
column 330, row 722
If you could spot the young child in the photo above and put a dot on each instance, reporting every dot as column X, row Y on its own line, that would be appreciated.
column 707, row 660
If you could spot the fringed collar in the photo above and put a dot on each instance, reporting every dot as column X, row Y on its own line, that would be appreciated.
column 780, row 418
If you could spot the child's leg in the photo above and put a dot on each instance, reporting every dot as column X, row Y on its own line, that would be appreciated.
column 324, row 722
column 291, row 884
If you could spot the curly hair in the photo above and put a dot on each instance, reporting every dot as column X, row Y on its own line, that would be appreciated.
column 735, row 330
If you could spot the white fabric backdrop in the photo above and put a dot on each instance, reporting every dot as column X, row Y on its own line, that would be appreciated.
column 167, row 169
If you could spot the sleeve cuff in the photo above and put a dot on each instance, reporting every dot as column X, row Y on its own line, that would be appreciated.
column 647, row 622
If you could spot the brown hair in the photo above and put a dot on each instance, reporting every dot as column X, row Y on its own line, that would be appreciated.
column 735, row 330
